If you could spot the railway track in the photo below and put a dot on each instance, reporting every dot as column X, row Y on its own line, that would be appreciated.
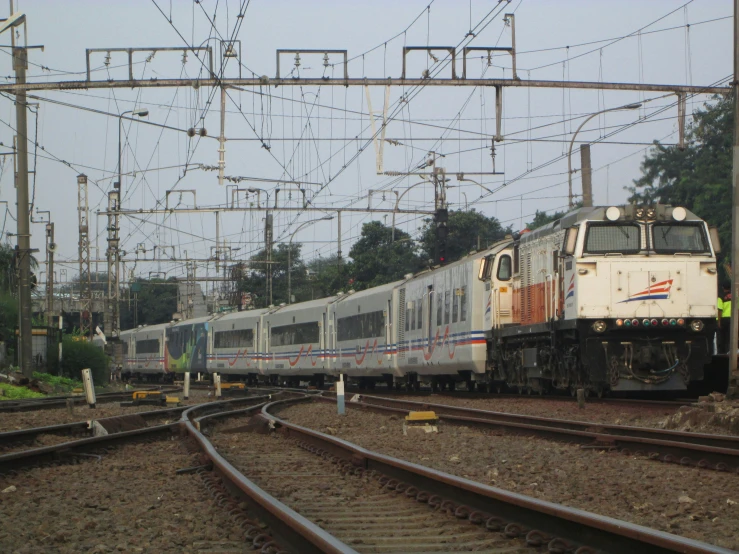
column 80, row 429
column 51, row 402
column 473, row 395
column 324, row 481
column 354, row 500
column 709, row 451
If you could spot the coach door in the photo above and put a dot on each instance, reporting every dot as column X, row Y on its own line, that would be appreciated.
column 485, row 275
column 429, row 316
column 502, row 291
column 389, row 329
column 324, row 338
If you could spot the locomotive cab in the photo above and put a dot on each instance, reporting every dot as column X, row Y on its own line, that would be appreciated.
column 641, row 285
column 619, row 298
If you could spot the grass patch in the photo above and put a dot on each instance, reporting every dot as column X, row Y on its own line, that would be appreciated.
column 11, row 392
column 63, row 383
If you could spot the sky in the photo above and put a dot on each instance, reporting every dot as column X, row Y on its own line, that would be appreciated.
column 320, row 136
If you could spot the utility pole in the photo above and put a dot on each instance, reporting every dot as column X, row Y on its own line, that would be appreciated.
column 50, row 248
column 20, row 63
column 734, row 337
column 587, row 176
column 339, row 262
column 84, row 257
column 268, row 245
column 112, row 312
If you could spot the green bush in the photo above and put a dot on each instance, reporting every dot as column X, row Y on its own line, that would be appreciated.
column 57, row 382
column 11, row 392
column 78, row 355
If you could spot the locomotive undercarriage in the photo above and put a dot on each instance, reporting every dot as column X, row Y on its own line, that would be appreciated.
column 618, row 359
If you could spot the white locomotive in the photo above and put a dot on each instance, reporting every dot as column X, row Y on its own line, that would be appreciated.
column 619, row 298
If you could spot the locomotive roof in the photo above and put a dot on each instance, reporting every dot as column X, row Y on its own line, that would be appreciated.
column 495, row 247
column 597, row 213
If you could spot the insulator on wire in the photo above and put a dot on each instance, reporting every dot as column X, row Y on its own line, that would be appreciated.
column 325, row 60
column 297, row 60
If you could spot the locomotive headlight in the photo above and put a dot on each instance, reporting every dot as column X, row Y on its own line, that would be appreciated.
column 613, row 213
column 639, row 213
column 679, row 214
column 696, row 325
column 599, row 326
column 651, row 212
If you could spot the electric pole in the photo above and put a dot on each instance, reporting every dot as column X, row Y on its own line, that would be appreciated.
column 20, row 63
column 734, row 328
column 50, row 248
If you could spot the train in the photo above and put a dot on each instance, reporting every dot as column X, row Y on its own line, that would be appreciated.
column 606, row 299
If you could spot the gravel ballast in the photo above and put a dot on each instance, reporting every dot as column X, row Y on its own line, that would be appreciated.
column 12, row 421
column 130, row 501
column 699, row 504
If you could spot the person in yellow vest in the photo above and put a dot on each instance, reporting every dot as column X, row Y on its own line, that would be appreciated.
column 724, row 318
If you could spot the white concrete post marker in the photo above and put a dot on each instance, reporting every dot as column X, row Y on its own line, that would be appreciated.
column 89, row 387
column 340, row 394
column 187, row 385
column 217, row 384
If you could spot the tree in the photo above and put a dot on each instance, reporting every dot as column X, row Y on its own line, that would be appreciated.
column 255, row 279
column 543, row 218
column 326, row 276
column 155, row 302
column 377, row 259
column 698, row 177
column 466, row 229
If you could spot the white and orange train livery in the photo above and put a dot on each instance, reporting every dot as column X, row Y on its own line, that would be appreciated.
column 619, row 298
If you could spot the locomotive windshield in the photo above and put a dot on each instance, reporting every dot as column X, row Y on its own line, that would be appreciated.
column 670, row 238
column 607, row 238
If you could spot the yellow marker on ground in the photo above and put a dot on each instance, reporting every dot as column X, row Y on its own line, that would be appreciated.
column 421, row 421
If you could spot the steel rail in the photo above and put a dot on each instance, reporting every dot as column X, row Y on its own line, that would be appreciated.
column 52, row 402
column 294, row 531
column 536, row 518
column 78, row 427
column 56, row 452
column 720, row 452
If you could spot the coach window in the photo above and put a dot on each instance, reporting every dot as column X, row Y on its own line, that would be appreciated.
column 439, row 309
column 419, row 314
column 446, row 307
column 504, row 268
column 463, row 304
column 413, row 315
column 516, row 260
column 408, row 313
